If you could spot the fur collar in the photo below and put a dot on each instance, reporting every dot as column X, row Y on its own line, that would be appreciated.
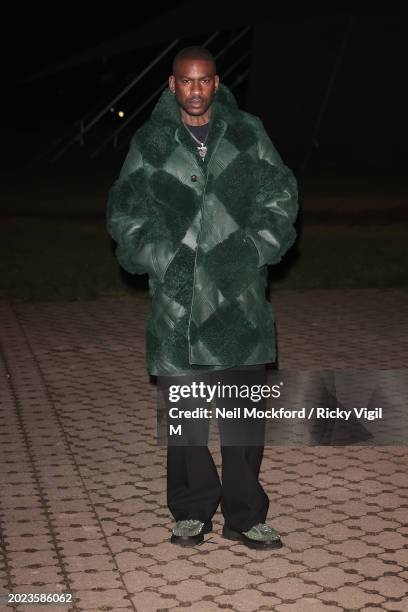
column 165, row 129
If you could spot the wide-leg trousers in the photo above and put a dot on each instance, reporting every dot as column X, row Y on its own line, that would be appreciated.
column 194, row 489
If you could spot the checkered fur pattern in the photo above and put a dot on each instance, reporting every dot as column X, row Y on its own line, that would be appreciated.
column 204, row 243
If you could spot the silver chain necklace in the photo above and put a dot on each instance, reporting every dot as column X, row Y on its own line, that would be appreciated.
column 202, row 149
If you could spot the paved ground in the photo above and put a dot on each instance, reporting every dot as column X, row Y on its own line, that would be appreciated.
column 82, row 476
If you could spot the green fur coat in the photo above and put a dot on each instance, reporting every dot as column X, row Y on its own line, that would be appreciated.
column 204, row 231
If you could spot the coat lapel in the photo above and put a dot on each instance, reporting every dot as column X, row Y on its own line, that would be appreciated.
column 167, row 131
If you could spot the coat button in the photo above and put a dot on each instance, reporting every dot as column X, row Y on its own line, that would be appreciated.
column 194, row 177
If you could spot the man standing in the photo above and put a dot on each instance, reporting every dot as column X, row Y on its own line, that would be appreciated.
column 203, row 204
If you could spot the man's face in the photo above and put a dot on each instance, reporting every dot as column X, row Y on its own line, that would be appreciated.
column 194, row 84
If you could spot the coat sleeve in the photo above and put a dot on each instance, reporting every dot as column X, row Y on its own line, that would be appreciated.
column 133, row 220
column 276, row 206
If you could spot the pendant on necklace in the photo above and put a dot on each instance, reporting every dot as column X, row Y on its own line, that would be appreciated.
column 202, row 151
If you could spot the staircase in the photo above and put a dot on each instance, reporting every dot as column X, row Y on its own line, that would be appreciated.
column 103, row 134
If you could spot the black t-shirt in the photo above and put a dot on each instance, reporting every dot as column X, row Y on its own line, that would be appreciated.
column 200, row 131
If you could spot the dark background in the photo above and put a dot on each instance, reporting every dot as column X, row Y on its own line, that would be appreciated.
column 333, row 83
column 330, row 86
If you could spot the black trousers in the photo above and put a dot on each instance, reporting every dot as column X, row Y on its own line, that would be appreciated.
column 194, row 489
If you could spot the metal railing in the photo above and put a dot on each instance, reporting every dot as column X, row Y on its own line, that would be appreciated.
column 114, row 136
column 85, row 127
column 85, row 124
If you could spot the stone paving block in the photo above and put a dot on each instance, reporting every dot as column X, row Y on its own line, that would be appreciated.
column 104, row 599
column 35, row 558
column 37, row 576
column 372, row 567
column 399, row 605
column 179, row 569
column 83, row 545
column 308, row 604
column 290, row 588
column 89, row 563
column 131, row 560
column 29, row 543
column 275, row 567
column 234, row 579
column 221, row 558
column 248, row 600
column 332, row 577
column 118, row 543
column 101, row 579
column 140, row 580
column 301, row 541
column 24, row 529
column 152, row 600
column 388, row 586
column 314, row 558
column 83, row 504
column 351, row 597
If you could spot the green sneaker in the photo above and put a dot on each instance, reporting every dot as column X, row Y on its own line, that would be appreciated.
column 260, row 535
column 190, row 532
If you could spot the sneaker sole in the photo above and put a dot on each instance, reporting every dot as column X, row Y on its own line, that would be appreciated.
column 192, row 540
column 230, row 534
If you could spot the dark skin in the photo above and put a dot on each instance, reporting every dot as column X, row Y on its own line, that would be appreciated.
column 194, row 79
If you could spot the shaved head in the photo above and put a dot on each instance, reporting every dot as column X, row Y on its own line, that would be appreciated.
column 193, row 53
